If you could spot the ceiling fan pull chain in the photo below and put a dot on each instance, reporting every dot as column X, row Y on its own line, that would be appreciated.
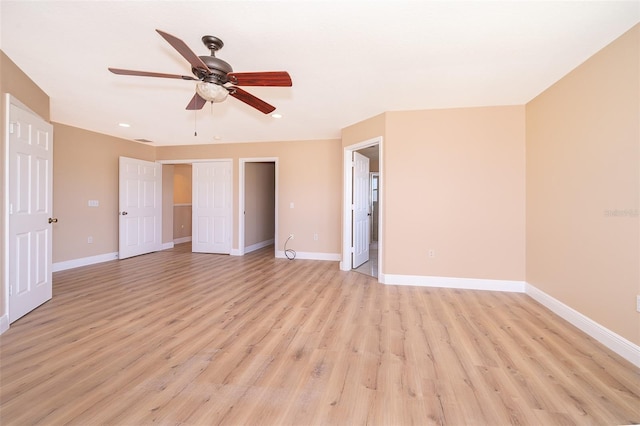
column 195, row 122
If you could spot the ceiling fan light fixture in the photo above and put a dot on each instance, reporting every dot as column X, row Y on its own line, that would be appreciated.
column 211, row 92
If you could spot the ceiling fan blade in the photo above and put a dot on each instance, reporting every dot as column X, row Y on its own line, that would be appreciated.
column 150, row 74
column 251, row 100
column 196, row 102
column 266, row 78
column 184, row 50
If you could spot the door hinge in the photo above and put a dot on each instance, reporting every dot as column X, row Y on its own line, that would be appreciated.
column 11, row 128
column 353, row 206
column 353, row 249
column 10, row 290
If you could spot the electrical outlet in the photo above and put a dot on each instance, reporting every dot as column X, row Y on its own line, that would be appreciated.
column 90, row 240
column 638, row 303
column 315, row 237
column 432, row 253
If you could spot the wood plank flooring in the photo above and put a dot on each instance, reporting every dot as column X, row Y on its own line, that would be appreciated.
column 181, row 338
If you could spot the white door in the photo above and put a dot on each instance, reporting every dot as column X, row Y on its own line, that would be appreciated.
column 30, row 211
column 140, row 211
column 361, row 214
column 211, row 207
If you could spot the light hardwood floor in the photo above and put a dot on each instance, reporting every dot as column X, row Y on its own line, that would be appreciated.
column 181, row 338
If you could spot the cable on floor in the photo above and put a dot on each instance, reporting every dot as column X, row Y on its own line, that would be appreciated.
column 289, row 253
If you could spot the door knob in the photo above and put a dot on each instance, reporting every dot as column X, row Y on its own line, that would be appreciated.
column 124, row 213
column 53, row 220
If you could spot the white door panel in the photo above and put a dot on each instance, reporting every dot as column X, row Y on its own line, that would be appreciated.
column 140, row 212
column 30, row 203
column 361, row 214
column 211, row 211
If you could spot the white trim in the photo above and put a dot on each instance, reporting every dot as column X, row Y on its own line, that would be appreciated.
column 166, row 246
column 618, row 344
column 345, row 259
column 4, row 323
column 236, row 252
column 452, row 282
column 84, row 261
column 258, row 246
column 5, row 224
column 333, row 257
column 182, row 240
column 241, row 250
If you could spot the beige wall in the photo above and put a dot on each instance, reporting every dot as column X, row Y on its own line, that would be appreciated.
column 583, row 156
column 259, row 203
column 182, row 221
column 309, row 176
column 15, row 82
column 454, row 182
column 367, row 129
column 85, row 167
column 182, row 177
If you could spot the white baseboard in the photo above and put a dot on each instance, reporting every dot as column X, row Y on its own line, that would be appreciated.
column 618, row 344
column 4, row 323
column 450, row 282
column 258, row 246
column 333, row 257
column 75, row 263
column 182, row 240
column 166, row 246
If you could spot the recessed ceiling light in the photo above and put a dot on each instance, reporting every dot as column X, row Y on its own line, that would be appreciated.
column 276, row 115
column 124, row 124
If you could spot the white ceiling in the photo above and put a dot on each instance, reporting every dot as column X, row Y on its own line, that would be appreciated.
column 349, row 60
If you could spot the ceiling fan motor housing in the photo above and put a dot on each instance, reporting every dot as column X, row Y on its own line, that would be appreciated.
column 218, row 70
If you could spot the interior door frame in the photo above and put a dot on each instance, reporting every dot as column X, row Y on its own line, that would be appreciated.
column 241, row 201
column 4, row 319
column 347, row 231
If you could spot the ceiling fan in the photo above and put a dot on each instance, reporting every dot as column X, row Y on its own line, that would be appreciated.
column 215, row 77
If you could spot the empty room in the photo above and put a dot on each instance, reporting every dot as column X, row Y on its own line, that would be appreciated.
column 320, row 212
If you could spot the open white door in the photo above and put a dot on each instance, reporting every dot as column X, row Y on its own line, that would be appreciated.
column 140, row 212
column 361, row 214
column 30, row 203
column 211, row 207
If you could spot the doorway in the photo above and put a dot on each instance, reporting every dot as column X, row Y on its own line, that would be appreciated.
column 202, row 205
column 258, row 201
column 372, row 149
